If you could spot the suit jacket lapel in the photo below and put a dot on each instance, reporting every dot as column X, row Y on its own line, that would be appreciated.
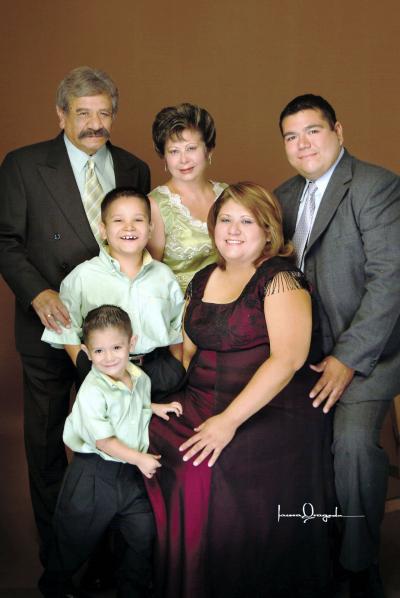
column 59, row 178
column 333, row 196
column 292, row 204
column 124, row 166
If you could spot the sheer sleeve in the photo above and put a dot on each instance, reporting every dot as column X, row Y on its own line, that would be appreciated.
column 287, row 280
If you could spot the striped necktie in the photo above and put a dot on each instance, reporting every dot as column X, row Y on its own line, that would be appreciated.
column 92, row 197
column 303, row 228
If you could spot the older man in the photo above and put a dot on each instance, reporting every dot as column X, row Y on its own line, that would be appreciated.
column 50, row 195
column 344, row 218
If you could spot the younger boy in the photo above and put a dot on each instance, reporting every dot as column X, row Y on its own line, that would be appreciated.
column 108, row 432
column 125, row 274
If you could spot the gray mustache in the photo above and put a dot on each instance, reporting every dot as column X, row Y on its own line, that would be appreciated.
column 94, row 133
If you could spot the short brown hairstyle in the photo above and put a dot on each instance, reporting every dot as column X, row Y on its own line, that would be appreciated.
column 265, row 209
column 106, row 316
column 309, row 101
column 119, row 192
column 173, row 120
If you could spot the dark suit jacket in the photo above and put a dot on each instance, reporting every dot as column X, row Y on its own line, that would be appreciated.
column 44, row 232
column 353, row 264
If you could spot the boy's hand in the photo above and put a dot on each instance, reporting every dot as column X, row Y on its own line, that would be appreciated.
column 148, row 464
column 162, row 409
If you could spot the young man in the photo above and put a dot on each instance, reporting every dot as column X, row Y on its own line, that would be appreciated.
column 108, row 432
column 344, row 218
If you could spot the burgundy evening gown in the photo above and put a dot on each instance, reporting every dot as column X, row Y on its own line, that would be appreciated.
column 218, row 530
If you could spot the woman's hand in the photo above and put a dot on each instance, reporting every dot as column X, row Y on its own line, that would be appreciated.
column 211, row 438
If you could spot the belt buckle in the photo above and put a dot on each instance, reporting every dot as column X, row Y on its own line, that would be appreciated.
column 137, row 360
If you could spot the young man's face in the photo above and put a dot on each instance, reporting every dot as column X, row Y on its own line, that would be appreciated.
column 311, row 146
column 126, row 228
column 108, row 349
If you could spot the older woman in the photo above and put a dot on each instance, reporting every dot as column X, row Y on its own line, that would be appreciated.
column 184, row 136
column 249, row 449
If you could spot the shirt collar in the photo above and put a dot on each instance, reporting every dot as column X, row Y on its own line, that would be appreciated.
column 134, row 371
column 79, row 158
column 322, row 181
column 106, row 258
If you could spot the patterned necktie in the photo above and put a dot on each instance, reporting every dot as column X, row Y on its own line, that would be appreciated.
column 92, row 197
column 303, row 228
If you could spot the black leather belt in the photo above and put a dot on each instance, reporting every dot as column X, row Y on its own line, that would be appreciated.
column 146, row 357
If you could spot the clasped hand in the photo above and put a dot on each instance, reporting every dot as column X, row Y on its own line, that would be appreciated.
column 211, row 438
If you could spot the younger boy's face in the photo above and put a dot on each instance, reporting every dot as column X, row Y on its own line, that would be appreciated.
column 126, row 228
column 108, row 349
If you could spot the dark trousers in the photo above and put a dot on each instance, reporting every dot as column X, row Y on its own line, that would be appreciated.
column 96, row 493
column 361, row 474
column 165, row 372
column 47, row 386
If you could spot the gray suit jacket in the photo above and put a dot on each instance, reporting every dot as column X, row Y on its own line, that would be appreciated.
column 44, row 232
column 353, row 264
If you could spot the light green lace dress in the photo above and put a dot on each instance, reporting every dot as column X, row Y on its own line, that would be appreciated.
column 187, row 244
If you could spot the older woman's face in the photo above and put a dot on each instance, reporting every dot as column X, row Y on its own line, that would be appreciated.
column 187, row 156
column 238, row 236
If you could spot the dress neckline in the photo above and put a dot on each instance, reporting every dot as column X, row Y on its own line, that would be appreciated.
column 214, row 266
column 177, row 201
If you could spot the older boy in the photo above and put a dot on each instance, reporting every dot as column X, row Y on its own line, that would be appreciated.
column 124, row 274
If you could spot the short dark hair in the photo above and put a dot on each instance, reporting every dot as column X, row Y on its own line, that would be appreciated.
column 309, row 101
column 173, row 120
column 267, row 212
column 119, row 192
column 85, row 81
column 106, row 316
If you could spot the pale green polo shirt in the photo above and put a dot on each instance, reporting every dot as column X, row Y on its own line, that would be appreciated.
column 104, row 408
column 153, row 300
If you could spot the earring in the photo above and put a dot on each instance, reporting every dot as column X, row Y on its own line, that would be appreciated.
column 209, row 159
column 165, row 167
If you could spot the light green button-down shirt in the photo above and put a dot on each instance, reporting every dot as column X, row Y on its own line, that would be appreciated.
column 104, row 408
column 153, row 300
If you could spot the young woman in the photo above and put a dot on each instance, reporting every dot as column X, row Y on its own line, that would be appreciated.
column 250, row 455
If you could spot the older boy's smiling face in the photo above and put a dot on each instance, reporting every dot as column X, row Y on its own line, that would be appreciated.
column 126, row 228
column 108, row 349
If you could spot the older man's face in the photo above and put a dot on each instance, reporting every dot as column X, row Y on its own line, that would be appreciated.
column 88, row 122
column 311, row 145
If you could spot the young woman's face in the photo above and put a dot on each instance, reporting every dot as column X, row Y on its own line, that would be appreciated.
column 238, row 236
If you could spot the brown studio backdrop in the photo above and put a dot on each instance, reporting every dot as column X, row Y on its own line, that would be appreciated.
column 242, row 61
